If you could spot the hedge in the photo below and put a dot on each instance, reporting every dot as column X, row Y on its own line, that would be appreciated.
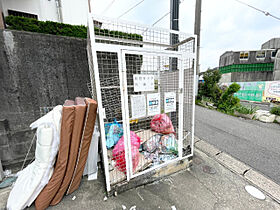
column 55, row 28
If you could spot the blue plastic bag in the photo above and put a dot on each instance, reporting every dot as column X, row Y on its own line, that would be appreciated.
column 113, row 132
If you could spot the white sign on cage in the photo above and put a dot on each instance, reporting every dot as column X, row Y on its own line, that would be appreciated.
column 153, row 103
column 143, row 82
column 169, row 102
column 138, row 106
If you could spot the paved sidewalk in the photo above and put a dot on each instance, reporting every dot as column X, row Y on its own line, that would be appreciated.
column 193, row 188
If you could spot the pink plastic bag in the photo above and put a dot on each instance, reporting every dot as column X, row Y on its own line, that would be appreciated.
column 161, row 123
column 119, row 152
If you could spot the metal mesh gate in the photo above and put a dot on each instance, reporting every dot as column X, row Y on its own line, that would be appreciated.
column 145, row 92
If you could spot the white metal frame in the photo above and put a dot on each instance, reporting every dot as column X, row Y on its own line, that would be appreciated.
column 121, row 51
column 127, row 119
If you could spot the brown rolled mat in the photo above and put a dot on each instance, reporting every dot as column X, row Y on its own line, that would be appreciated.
column 80, row 110
column 47, row 194
column 84, row 146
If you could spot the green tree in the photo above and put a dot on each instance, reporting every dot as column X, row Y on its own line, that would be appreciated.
column 228, row 102
column 210, row 87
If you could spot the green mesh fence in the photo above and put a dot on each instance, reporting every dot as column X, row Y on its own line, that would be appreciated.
column 247, row 67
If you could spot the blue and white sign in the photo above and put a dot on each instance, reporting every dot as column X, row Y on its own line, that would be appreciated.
column 169, row 102
column 153, row 104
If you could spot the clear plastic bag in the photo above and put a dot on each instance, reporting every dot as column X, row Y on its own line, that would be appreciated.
column 169, row 144
column 153, row 143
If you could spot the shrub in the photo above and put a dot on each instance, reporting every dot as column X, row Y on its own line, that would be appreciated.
column 55, row 28
column 228, row 102
column 46, row 27
column 246, row 110
column 210, row 88
column 275, row 110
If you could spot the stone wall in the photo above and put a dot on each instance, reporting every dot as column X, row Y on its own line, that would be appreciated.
column 36, row 70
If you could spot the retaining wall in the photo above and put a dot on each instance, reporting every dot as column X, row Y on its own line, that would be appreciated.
column 36, row 70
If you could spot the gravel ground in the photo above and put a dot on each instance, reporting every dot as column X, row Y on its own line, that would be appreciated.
column 252, row 142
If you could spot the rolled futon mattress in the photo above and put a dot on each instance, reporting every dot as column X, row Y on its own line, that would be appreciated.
column 84, row 145
column 47, row 194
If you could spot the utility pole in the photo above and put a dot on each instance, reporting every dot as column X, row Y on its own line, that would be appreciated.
column 2, row 24
column 174, row 25
column 174, row 14
column 197, row 25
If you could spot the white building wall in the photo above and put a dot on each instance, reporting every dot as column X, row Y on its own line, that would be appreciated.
column 45, row 9
column 73, row 11
column 28, row 6
column 48, row 10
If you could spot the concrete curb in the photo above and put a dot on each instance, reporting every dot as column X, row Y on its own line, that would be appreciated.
column 249, row 174
column 4, row 194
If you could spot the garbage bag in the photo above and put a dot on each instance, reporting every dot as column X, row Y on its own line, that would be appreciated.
column 161, row 123
column 169, row 143
column 91, row 167
column 114, row 132
column 153, row 143
column 119, row 152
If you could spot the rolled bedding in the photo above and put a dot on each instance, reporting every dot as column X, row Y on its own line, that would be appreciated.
column 47, row 194
column 36, row 175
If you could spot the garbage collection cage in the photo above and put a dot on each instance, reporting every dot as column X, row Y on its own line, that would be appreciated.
column 143, row 79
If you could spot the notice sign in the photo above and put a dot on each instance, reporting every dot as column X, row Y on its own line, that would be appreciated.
column 138, row 106
column 153, row 104
column 169, row 102
column 142, row 82
column 272, row 91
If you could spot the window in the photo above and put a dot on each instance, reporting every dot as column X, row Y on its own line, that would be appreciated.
column 260, row 54
column 244, row 56
column 273, row 53
column 22, row 14
column 97, row 24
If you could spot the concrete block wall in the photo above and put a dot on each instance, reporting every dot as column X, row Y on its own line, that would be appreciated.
column 36, row 70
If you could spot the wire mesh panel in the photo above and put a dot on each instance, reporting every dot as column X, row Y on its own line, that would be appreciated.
column 156, row 127
column 143, row 80
column 159, row 100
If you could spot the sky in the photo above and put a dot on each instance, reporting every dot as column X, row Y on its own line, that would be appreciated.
column 226, row 25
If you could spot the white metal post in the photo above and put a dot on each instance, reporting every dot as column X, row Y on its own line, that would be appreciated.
column 158, row 68
column 181, row 109
column 124, row 98
column 130, row 165
column 99, row 100
column 194, row 83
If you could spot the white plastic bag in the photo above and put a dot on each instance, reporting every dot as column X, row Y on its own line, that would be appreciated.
column 35, row 176
column 91, row 167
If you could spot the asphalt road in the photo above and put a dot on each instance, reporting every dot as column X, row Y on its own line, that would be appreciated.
column 255, row 143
